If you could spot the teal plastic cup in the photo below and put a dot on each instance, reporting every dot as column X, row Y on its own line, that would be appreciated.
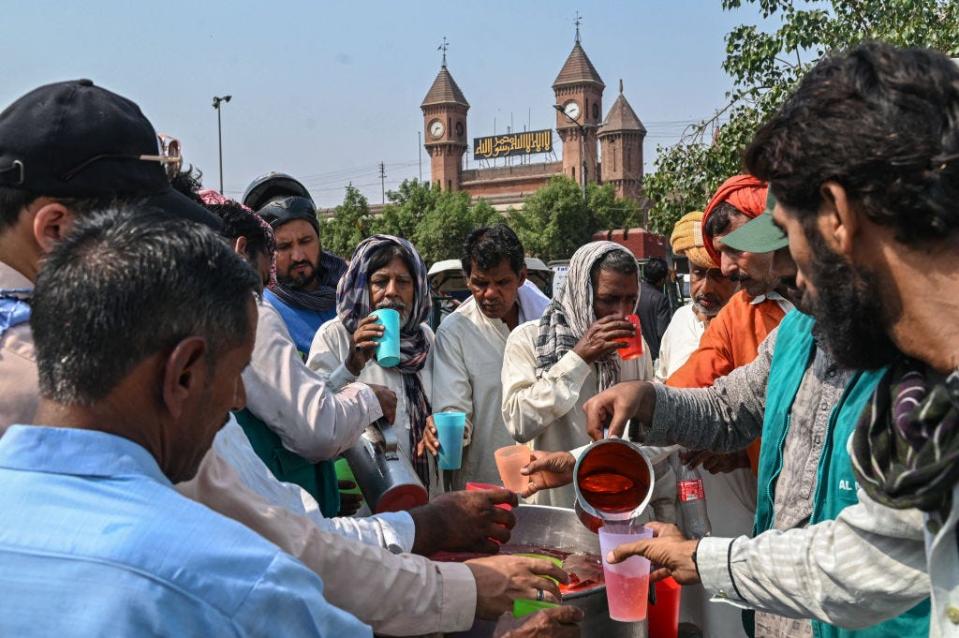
column 449, row 428
column 388, row 352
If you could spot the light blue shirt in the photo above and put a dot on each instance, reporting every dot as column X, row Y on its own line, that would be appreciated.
column 94, row 541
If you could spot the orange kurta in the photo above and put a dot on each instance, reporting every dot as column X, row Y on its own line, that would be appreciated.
column 731, row 340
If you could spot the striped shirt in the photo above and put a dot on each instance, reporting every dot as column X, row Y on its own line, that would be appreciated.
column 865, row 566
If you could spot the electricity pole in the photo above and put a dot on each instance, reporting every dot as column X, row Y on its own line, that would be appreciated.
column 219, row 131
column 383, row 180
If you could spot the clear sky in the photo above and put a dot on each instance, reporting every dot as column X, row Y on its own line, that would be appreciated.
column 327, row 90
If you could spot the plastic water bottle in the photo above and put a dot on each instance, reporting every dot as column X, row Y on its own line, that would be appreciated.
column 692, row 502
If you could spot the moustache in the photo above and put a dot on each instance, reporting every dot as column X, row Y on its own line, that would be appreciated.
column 739, row 277
column 707, row 298
column 393, row 304
column 302, row 262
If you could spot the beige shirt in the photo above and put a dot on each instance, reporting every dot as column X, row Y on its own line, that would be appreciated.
column 547, row 413
column 331, row 347
column 399, row 594
column 466, row 378
column 18, row 366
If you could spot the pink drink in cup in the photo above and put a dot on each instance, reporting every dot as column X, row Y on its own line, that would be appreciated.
column 634, row 347
column 509, row 461
column 627, row 583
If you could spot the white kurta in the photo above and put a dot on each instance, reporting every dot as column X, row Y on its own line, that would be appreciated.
column 331, row 347
column 730, row 496
column 389, row 530
column 466, row 378
column 548, row 412
column 680, row 340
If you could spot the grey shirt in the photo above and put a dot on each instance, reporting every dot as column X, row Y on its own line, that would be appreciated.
column 734, row 406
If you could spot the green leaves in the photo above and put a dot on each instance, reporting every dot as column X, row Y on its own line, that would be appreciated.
column 555, row 221
column 765, row 66
column 351, row 223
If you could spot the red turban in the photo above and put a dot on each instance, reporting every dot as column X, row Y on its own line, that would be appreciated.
column 746, row 193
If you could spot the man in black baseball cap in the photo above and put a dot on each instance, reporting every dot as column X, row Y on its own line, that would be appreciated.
column 66, row 149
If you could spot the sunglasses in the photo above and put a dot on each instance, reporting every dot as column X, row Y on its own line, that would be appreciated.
column 170, row 157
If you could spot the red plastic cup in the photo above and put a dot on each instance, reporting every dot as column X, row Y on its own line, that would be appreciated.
column 483, row 487
column 664, row 614
column 634, row 347
column 473, row 486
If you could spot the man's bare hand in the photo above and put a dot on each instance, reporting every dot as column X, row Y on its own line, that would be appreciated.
column 464, row 521
column 715, row 462
column 604, row 336
column 349, row 503
column 669, row 550
column 558, row 622
column 430, row 441
column 502, row 579
column 614, row 407
column 387, row 399
column 362, row 345
column 547, row 470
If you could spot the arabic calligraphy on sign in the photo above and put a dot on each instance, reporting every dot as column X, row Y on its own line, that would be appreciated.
column 526, row 143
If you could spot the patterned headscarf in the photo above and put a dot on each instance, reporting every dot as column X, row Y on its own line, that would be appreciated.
column 571, row 314
column 353, row 304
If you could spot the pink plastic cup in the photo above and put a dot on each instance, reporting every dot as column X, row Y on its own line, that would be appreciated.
column 627, row 583
column 509, row 461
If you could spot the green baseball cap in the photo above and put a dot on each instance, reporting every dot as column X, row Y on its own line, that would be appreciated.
column 760, row 235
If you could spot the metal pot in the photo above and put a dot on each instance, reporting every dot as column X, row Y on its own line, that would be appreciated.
column 558, row 528
column 616, row 456
column 385, row 476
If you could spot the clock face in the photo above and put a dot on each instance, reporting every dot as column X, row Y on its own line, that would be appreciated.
column 571, row 109
column 437, row 129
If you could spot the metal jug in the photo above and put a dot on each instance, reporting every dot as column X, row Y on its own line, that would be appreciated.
column 385, row 476
column 624, row 460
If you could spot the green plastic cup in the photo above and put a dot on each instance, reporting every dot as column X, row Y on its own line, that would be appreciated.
column 524, row 607
column 345, row 473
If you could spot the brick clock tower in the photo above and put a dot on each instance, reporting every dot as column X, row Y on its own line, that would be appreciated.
column 444, row 125
column 621, row 137
column 579, row 92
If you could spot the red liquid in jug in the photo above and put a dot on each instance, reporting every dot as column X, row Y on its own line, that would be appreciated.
column 611, row 492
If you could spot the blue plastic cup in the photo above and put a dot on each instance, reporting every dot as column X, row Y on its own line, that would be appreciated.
column 450, row 427
column 388, row 352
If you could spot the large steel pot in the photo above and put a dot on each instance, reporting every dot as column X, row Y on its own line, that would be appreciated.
column 559, row 528
column 384, row 474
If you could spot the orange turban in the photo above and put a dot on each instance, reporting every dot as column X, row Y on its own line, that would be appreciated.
column 746, row 193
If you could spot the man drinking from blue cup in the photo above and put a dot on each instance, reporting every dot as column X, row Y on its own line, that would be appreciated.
column 385, row 274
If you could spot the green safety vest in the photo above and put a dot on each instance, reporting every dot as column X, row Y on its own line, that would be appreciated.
column 319, row 479
column 835, row 482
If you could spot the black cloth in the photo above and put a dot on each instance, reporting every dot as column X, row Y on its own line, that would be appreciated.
column 654, row 316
